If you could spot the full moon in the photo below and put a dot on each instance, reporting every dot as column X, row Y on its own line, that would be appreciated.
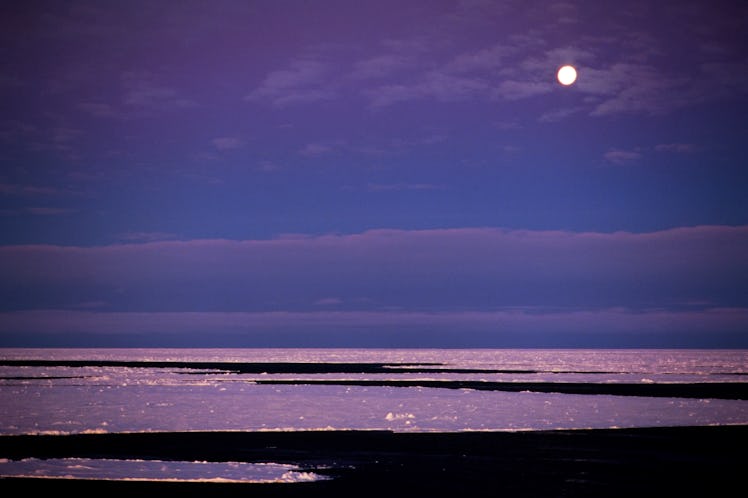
column 567, row 75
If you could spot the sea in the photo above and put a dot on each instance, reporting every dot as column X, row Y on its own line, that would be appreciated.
column 97, row 391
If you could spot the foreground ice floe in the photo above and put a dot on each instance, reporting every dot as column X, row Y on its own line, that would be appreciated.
column 155, row 470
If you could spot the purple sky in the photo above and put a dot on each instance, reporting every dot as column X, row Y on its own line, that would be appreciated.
column 389, row 173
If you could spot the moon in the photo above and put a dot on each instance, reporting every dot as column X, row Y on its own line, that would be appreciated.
column 567, row 75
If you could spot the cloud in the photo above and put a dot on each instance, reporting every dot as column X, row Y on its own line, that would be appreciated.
column 460, row 327
column 384, row 187
column 558, row 114
column 144, row 93
column 141, row 96
column 545, row 66
column 100, row 109
column 675, row 147
column 722, row 79
column 62, row 134
column 328, row 301
column 436, row 85
column 387, row 95
column 12, row 130
column 472, row 279
column 488, row 58
column 145, row 236
column 507, row 125
column 520, row 65
column 49, row 211
column 471, row 267
column 21, row 190
column 631, row 88
column 268, row 166
column 535, row 76
column 228, row 143
column 486, row 73
column 411, row 73
column 618, row 156
column 315, row 149
column 303, row 81
column 380, row 66
column 7, row 81
column 446, row 87
column 517, row 90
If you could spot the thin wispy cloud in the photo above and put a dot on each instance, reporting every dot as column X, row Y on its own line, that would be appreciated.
column 145, row 236
column 19, row 190
column 143, row 93
column 436, row 85
column 619, row 156
column 388, row 187
column 485, row 59
column 49, row 211
column 517, row 90
column 641, row 89
column 675, row 147
column 142, row 90
column 12, row 130
column 228, row 143
column 315, row 149
column 328, row 301
column 303, row 81
column 558, row 114
column 140, row 95
column 380, row 66
column 100, row 109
